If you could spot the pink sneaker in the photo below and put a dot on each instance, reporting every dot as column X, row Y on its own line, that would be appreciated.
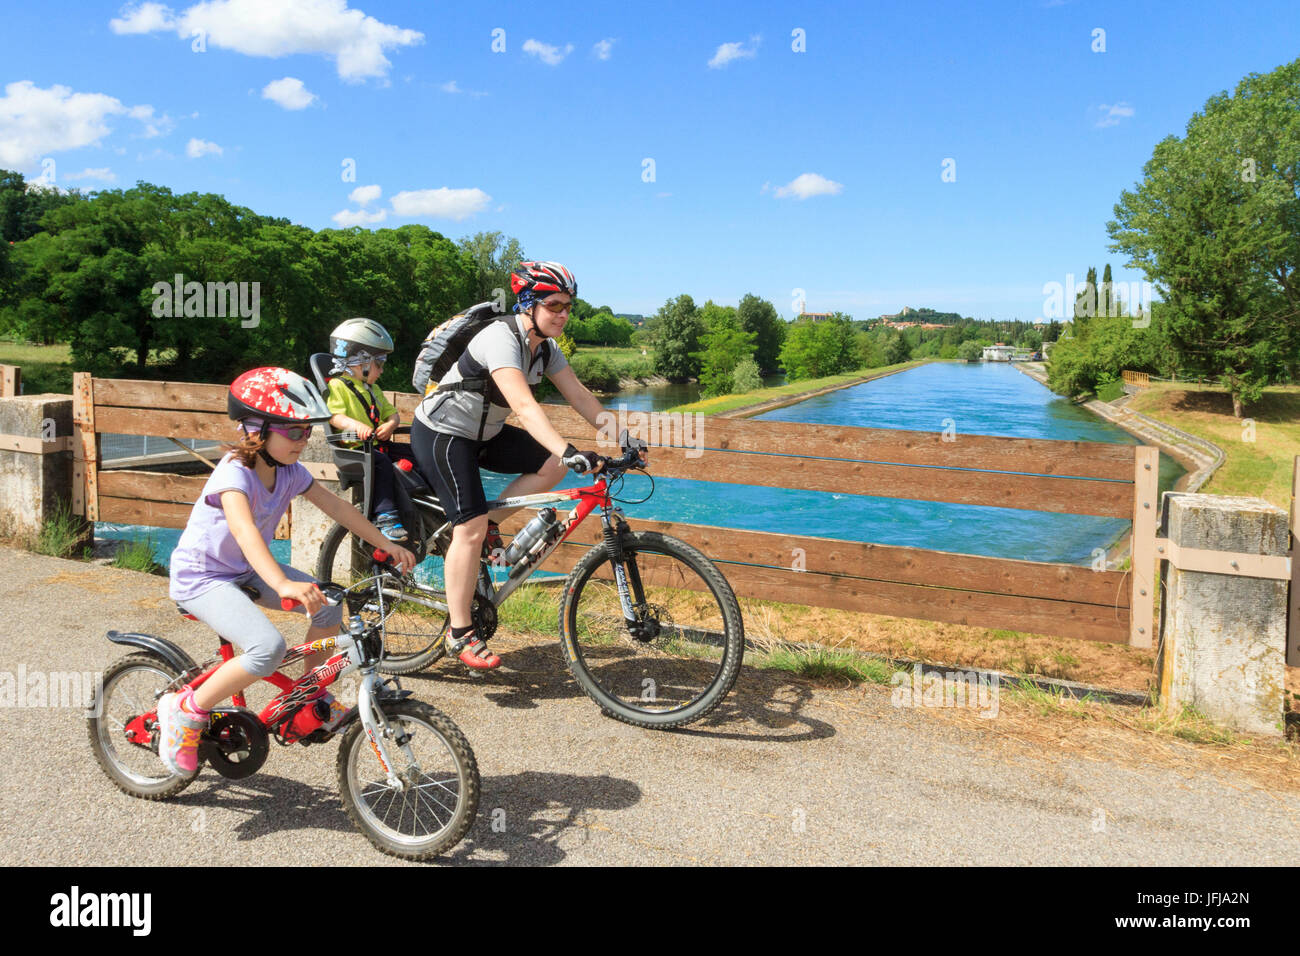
column 179, row 724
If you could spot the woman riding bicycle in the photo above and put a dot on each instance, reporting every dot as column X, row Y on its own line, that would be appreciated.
column 461, row 427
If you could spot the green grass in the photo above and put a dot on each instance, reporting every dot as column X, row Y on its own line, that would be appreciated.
column 136, row 556
column 726, row 403
column 1259, row 453
column 530, row 610
column 826, row 663
column 61, row 535
column 45, row 368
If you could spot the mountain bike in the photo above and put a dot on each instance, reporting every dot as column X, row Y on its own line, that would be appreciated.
column 649, row 627
column 406, row 773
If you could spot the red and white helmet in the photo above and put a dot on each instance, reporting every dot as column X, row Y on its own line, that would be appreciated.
column 541, row 279
column 275, row 395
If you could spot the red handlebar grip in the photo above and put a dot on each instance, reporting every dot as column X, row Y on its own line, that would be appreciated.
column 289, row 603
column 382, row 556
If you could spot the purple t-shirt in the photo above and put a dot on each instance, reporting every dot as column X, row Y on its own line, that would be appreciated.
column 208, row 554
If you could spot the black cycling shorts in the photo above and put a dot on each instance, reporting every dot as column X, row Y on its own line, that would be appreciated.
column 452, row 463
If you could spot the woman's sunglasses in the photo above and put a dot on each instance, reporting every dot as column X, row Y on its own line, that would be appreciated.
column 558, row 307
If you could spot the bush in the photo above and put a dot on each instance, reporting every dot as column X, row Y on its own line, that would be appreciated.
column 595, row 372
column 641, row 367
column 136, row 555
column 62, row 533
column 746, row 377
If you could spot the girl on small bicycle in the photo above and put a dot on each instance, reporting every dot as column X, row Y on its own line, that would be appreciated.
column 460, row 427
column 226, row 544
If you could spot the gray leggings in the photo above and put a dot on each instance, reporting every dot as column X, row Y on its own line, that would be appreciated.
column 230, row 612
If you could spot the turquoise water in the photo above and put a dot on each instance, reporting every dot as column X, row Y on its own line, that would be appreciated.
column 978, row 398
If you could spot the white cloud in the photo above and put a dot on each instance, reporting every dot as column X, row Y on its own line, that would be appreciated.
column 808, row 185
column 1111, row 115
column 734, row 51
column 364, row 195
column 604, row 47
column 35, row 121
column 143, row 18
column 346, row 218
column 450, row 87
column 356, row 42
column 442, row 203
column 288, row 92
column 102, row 173
column 550, row 55
column 201, row 147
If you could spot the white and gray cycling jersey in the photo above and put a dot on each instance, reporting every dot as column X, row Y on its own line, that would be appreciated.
column 460, row 411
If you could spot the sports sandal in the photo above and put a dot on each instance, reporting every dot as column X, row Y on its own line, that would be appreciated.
column 473, row 653
column 180, row 722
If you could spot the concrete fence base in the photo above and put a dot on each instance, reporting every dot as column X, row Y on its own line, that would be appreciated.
column 36, row 436
column 1224, row 634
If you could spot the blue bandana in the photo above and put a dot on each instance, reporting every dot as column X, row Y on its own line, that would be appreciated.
column 526, row 300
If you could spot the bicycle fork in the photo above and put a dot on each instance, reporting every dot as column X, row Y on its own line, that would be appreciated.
column 381, row 734
column 613, row 525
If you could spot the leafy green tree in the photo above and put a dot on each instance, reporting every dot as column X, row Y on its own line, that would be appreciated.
column 818, row 349
column 758, row 316
column 746, row 377
column 725, row 346
column 1215, row 223
column 897, row 349
column 971, row 351
column 678, row 333
column 494, row 256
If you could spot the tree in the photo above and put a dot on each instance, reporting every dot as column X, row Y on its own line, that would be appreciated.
column 725, row 346
column 677, row 336
column 494, row 256
column 970, row 351
column 897, row 349
column 1215, row 224
column 746, row 377
column 760, row 317
column 818, row 349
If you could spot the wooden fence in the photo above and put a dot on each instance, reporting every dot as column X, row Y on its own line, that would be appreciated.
column 1138, row 379
column 1084, row 478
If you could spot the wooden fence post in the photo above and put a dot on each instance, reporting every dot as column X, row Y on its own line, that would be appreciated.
column 85, row 466
column 1293, row 602
column 1146, row 485
column 11, row 381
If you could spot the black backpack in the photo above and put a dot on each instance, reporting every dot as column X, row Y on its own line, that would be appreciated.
column 444, row 346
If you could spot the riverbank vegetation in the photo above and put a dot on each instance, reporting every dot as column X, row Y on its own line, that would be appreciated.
column 1213, row 225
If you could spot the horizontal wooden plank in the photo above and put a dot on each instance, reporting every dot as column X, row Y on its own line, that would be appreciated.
column 977, row 609
column 878, row 562
column 1106, row 460
column 151, row 486
column 156, row 514
column 1034, row 615
column 168, row 423
column 136, row 393
column 32, row 445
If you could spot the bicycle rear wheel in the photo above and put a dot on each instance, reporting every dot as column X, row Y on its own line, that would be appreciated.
column 679, row 658
column 415, row 611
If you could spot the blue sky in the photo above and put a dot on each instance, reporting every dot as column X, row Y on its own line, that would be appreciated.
column 774, row 170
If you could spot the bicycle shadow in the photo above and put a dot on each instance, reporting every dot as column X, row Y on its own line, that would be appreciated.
column 524, row 817
column 763, row 705
column 270, row 804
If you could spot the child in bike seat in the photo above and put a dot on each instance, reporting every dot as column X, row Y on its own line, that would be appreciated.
column 359, row 348
column 226, row 544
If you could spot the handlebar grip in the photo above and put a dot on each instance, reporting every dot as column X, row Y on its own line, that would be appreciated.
column 289, row 604
column 381, row 556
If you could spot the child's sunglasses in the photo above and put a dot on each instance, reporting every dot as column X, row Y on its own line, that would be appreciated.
column 292, row 432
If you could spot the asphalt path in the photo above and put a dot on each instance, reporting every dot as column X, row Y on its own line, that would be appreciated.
column 783, row 773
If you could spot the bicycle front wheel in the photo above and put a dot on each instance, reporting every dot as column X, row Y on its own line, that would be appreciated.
column 415, row 611
column 678, row 658
column 435, row 806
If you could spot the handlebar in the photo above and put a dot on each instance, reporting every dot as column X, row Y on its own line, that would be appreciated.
column 332, row 594
column 631, row 458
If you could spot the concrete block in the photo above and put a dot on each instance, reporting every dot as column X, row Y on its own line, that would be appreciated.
column 1225, row 635
column 32, row 486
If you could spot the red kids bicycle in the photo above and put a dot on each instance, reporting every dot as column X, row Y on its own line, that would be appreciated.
column 648, row 625
column 406, row 774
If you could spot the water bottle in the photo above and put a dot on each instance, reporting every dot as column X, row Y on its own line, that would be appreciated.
column 536, row 530
column 310, row 716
